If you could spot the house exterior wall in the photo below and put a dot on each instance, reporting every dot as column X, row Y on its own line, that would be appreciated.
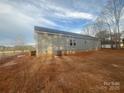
column 48, row 43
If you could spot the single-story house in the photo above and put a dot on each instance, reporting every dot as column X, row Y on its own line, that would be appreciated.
column 52, row 41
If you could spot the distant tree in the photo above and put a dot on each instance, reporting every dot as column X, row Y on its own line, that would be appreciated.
column 19, row 43
column 116, row 7
column 108, row 21
column 103, row 36
column 89, row 30
column 123, row 42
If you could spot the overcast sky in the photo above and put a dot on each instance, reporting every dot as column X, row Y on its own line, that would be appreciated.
column 18, row 17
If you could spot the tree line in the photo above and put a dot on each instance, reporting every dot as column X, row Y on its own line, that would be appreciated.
column 108, row 25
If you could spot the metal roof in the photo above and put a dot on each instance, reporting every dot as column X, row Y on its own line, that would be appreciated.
column 54, row 31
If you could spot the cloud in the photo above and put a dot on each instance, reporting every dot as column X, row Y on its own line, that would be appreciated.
column 76, row 15
column 76, row 30
column 70, row 13
column 18, row 17
column 25, row 16
column 56, row 9
column 5, row 8
column 14, row 23
column 45, row 22
column 11, row 16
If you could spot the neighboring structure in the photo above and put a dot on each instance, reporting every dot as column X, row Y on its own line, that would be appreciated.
column 51, row 41
column 122, row 40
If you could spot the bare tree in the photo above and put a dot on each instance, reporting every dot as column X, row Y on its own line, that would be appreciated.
column 107, row 19
column 116, row 7
column 86, row 30
column 19, row 43
column 100, row 29
column 89, row 30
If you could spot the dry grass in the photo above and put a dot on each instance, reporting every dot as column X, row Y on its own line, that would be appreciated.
column 80, row 73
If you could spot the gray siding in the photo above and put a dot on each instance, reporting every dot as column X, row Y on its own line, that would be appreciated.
column 48, row 43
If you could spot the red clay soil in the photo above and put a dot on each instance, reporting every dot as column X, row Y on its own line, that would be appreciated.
column 89, row 72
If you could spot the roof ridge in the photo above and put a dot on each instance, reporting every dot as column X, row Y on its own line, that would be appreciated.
column 51, row 30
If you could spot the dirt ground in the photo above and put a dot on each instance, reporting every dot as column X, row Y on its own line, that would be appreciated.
column 89, row 72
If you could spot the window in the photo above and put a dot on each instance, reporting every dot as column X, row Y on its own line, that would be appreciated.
column 70, row 42
column 74, row 42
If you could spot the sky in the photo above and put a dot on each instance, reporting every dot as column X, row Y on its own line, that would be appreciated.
column 18, row 17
